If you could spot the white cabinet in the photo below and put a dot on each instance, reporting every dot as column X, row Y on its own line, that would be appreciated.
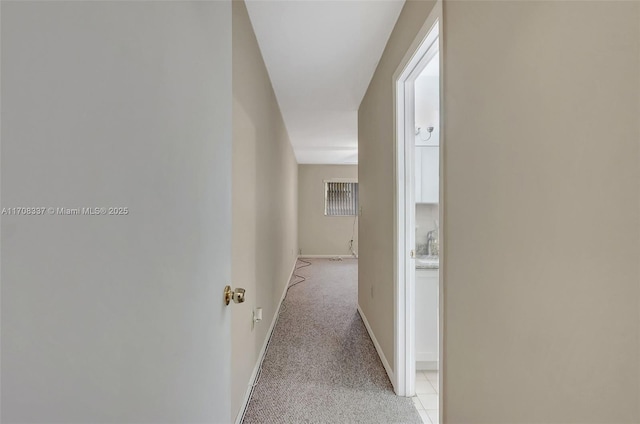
column 426, row 308
column 427, row 174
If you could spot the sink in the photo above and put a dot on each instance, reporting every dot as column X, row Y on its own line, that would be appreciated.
column 428, row 262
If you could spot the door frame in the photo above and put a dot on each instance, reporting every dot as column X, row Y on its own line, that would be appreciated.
column 410, row 67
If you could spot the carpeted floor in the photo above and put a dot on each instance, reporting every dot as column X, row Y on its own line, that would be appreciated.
column 321, row 366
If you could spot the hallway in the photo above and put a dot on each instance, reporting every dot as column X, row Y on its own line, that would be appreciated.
column 321, row 365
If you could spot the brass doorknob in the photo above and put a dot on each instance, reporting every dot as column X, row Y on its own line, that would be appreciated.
column 237, row 295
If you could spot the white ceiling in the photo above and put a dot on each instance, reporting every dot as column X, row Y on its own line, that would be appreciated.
column 321, row 55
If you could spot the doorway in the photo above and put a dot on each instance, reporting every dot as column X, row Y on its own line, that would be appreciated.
column 418, row 242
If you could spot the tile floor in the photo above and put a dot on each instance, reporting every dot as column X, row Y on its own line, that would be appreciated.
column 426, row 399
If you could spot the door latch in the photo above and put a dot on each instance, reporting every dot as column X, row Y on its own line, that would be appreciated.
column 412, row 254
column 237, row 295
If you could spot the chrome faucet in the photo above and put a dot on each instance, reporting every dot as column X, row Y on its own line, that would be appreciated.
column 430, row 240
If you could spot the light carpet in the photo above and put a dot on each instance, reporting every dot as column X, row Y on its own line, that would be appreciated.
column 321, row 365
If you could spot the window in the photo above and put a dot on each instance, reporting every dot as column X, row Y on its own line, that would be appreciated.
column 340, row 198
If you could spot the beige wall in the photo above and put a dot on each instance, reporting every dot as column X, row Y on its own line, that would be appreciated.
column 264, row 245
column 319, row 234
column 541, row 209
column 376, row 180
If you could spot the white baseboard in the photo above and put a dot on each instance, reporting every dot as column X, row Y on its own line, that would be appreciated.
column 385, row 363
column 426, row 365
column 327, row 256
column 254, row 374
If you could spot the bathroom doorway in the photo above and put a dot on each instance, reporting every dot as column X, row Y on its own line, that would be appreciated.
column 427, row 232
column 418, row 320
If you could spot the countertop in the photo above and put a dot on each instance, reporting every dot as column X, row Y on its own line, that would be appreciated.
column 427, row 262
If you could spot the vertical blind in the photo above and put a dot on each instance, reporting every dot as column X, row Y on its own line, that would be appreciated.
column 340, row 199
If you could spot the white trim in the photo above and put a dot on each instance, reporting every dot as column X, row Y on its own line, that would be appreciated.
column 404, row 269
column 383, row 358
column 326, row 256
column 442, row 266
column 427, row 366
column 263, row 351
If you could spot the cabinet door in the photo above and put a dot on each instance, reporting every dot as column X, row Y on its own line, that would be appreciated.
column 430, row 171
column 426, row 295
